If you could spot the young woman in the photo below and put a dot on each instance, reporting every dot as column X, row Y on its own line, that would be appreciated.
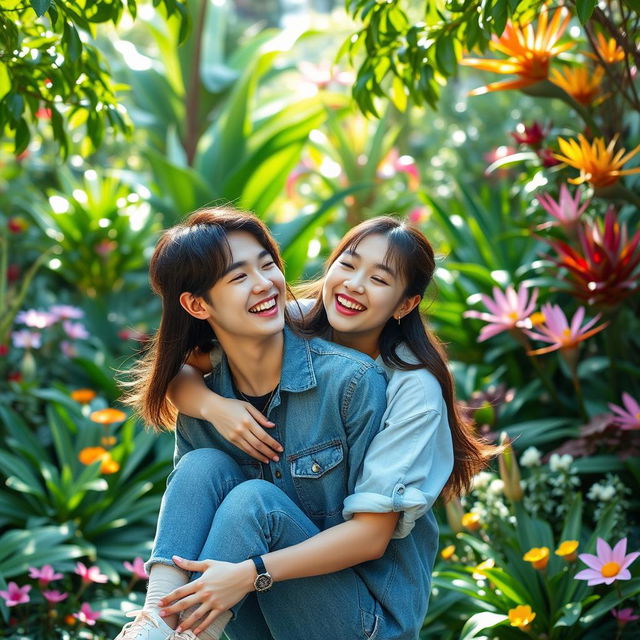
column 368, row 300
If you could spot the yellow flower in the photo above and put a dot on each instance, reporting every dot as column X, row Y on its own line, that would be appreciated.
column 538, row 557
column 567, row 550
column 471, row 521
column 581, row 83
column 521, row 616
column 447, row 552
column 529, row 52
column 479, row 570
column 90, row 454
column 83, row 396
column 597, row 164
column 108, row 416
column 609, row 50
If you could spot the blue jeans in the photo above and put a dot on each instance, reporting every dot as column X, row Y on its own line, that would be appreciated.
column 210, row 511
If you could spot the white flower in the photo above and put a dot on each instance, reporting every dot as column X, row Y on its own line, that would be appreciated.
column 595, row 492
column 496, row 487
column 531, row 457
column 560, row 463
column 482, row 479
column 601, row 492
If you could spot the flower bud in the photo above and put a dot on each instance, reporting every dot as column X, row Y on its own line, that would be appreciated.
column 509, row 470
column 454, row 512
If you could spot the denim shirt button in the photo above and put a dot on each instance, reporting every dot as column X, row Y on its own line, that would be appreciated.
column 315, row 467
column 278, row 474
column 401, row 490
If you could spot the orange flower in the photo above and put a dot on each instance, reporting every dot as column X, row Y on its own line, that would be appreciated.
column 471, row 521
column 538, row 557
column 567, row 550
column 521, row 616
column 90, row 454
column 83, row 396
column 108, row 416
column 479, row 570
column 69, row 620
column 448, row 552
column 108, row 441
column 597, row 164
column 582, row 84
column 609, row 50
column 529, row 52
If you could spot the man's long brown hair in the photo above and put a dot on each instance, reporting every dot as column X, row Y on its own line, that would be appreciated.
column 192, row 257
column 410, row 252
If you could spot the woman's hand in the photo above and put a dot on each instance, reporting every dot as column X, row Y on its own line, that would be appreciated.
column 221, row 585
column 241, row 424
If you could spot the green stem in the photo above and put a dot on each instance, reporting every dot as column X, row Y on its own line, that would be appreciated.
column 579, row 395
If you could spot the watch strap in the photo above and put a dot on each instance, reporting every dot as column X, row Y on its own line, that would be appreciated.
column 260, row 568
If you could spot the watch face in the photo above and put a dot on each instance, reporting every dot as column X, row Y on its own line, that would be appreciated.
column 263, row 582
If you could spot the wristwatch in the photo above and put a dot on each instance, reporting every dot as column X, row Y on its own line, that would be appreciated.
column 263, row 580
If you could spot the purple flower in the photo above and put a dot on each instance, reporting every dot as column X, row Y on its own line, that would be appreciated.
column 66, row 312
column 75, row 330
column 25, row 339
column 508, row 310
column 15, row 595
column 55, row 596
column 137, row 568
column 86, row 615
column 45, row 575
column 90, row 574
column 628, row 418
column 36, row 319
column 609, row 565
column 623, row 616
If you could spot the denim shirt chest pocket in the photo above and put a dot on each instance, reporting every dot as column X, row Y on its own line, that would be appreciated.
column 319, row 476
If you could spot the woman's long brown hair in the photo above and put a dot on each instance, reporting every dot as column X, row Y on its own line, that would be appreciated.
column 191, row 257
column 410, row 252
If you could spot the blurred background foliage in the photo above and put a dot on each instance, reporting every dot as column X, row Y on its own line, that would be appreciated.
column 119, row 118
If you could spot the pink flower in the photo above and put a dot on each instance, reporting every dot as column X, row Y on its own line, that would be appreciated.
column 508, row 310
column 75, row 330
column 137, row 568
column 105, row 247
column 45, row 575
column 15, row 595
column 66, row 312
column 417, row 215
column 36, row 319
column 55, row 596
column 566, row 210
column 132, row 334
column 91, row 574
column 68, row 349
column 25, row 339
column 86, row 615
column 609, row 565
column 556, row 330
column 623, row 616
column 394, row 163
column 628, row 418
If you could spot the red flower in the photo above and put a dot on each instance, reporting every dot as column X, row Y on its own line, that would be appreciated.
column 14, row 376
column 4, row 350
column 604, row 273
column 531, row 135
column 13, row 273
column 547, row 157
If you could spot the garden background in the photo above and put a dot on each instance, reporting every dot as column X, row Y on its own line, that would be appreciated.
column 506, row 129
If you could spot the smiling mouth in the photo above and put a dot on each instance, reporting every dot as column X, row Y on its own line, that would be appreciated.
column 349, row 304
column 264, row 306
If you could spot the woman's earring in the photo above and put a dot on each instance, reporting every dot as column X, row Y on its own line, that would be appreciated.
column 398, row 319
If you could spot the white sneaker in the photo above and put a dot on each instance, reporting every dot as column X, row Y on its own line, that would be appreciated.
column 148, row 625
column 183, row 635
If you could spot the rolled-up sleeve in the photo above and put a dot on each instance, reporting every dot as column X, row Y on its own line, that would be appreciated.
column 405, row 468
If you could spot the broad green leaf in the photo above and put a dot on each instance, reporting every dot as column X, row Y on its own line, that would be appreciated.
column 40, row 6
column 569, row 614
column 481, row 621
column 584, row 9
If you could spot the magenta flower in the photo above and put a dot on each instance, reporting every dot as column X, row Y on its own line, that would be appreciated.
column 609, row 565
column 90, row 574
column 55, row 596
column 45, row 575
column 508, row 310
column 624, row 616
column 75, row 330
column 66, row 312
column 531, row 135
column 556, row 330
column 566, row 210
column 137, row 568
column 25, row 339
column 86, row 615
column 36, row 319
column 15, row 595
column 628, row 419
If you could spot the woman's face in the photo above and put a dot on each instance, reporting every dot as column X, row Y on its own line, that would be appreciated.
column 360, row 293
column 249, row 299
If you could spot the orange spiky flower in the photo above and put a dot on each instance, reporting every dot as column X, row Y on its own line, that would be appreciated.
column 609, row 50
column 598, row 164
column 529, row 51
column 580, row 83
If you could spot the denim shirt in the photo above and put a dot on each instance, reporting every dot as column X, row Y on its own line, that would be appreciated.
column 327, row 409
